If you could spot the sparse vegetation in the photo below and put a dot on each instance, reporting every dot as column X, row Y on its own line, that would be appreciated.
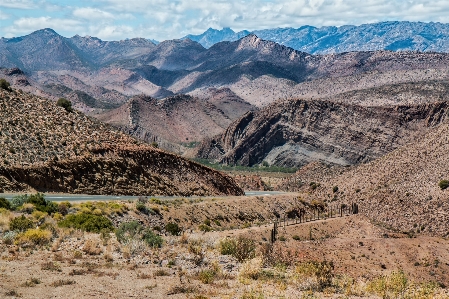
column 173, row 228
column 66, row 104
column 241, row 248
column 443, row 184
column 21, row 224
column 87, row 222
column 5, row 84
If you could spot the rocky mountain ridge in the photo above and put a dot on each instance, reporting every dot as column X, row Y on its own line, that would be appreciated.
column 48, row 149
column 295, row 132
column 394, row 36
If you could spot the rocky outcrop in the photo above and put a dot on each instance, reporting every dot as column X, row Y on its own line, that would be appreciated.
column 296, row 132
column 120, row 171
column 48, row 149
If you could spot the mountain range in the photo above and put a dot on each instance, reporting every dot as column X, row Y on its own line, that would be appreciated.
column 393, row 36
column 178, row 93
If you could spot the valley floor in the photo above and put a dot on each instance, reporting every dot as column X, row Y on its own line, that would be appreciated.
column 347, row 257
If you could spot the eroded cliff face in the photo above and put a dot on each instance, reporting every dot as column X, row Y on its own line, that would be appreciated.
column 295, row 132
column 48, row 149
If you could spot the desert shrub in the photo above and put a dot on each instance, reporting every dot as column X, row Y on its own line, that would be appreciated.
column 296, row 238
column 151, row 238
column 18, row 201
column 314, row 275
column 62, row 282
column 9, row 237
column 5, row 204
column 335, row 189
column 34, row 237
column 204, row 228
column 317, row 204
column 21, row 224
column 393, row 285
column 38, row 215
column 27, row 208
column 87, row 222
column 278, row 254
column 207, row 276
column 128, row 230
column 443, row 184
column 228, row 246
column 251, row 269
column 63, row 208
column 134, row 230
column 66, row 104
column 5, row 84
column 42, row 204
column 173, row 228
column 142, row 208
column 241, row 248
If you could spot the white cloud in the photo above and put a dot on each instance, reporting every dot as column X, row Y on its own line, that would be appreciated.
column 167, row 19
column 90, row 13
column 4, row 16
column 27, row 25
column 19, row 4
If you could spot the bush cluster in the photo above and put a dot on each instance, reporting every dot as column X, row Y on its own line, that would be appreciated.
column 21, row 224
column 66, row 104
column 5, row 204
column 444, row 184
column 87, row 222
column 5, row 84
column 37, row 200
column 241, row 248
column 173, row 229
column 128, row 231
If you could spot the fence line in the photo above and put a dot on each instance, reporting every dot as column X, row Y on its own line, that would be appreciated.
column 317, row 214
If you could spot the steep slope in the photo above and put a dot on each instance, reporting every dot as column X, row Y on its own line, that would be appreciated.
column 401, row 188
column 48, row 149
column 296, row 132
column 395, row 36
column 179, row 119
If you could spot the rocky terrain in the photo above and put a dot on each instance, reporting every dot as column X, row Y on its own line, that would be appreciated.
column 177, row 123
column 394, row 36
column 46, row 148
column 400, row 189
column 296, row 132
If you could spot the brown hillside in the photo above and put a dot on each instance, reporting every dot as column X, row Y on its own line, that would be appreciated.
column 46, row 148
column 400, row 189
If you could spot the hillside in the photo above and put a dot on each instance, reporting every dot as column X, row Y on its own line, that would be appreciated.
column 48, row 149
column 176, row 120
column 293, row 133
column 399, row 189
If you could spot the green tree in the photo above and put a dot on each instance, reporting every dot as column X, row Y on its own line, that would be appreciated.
column 66, row 104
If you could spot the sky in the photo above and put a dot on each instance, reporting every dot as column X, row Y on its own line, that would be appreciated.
column 169, row 19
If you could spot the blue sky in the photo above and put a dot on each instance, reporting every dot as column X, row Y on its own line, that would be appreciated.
column 167, row 19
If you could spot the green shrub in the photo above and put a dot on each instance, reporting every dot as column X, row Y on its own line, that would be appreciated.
column 66, row 104
column 228, row 246
column 87, row 222
column 444, row 184
column 134, row 230
column 152, row 239
column 42, row 204
column 173, row 228
column 18, row 201
column 204, row 228
column 128, row 230
column 207, row 222
column 335, row 189
column 5, row 204
column 35, row 237
column 318, row 274
column 207, row 276
column 241, row 248
column 142, row 208
column 5, row 84
column 21, row 224
column 37, row 200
